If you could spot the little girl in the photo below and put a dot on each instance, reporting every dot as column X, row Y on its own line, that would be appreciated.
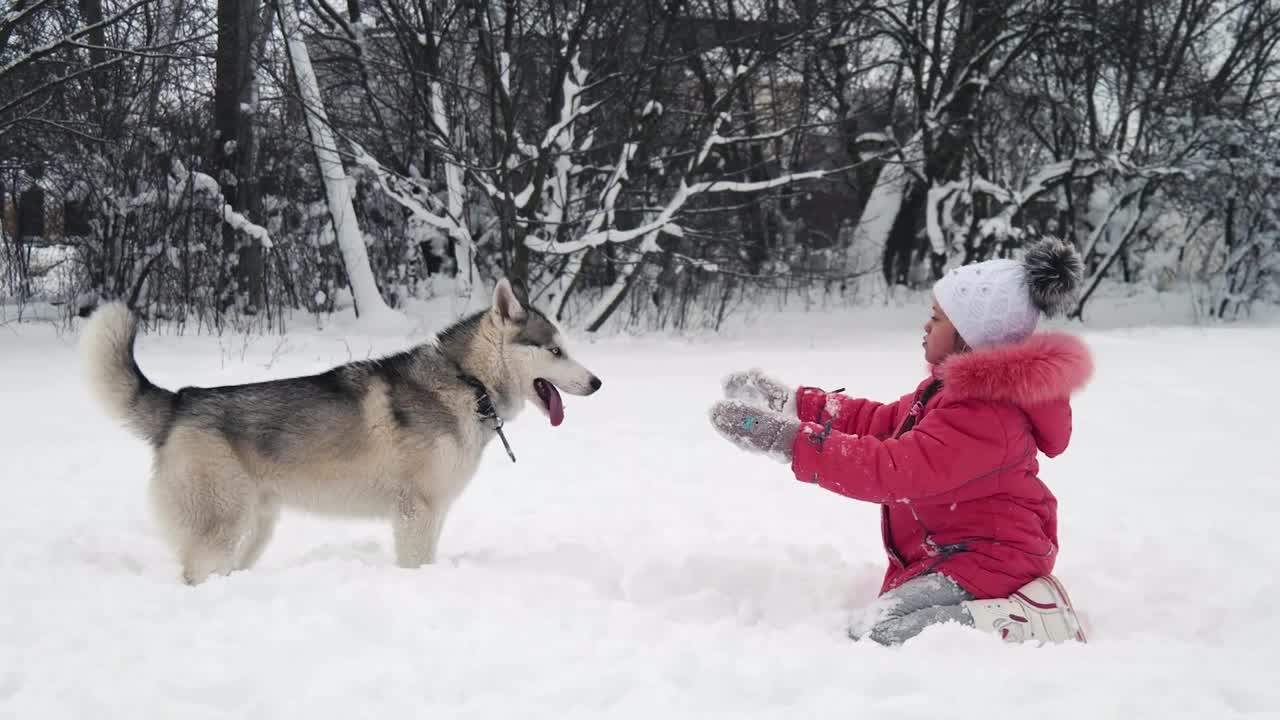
column 970, row 530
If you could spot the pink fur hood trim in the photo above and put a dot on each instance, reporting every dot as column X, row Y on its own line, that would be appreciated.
column 1045, row 367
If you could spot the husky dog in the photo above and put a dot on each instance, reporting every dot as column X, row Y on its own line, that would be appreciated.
column 398, row 437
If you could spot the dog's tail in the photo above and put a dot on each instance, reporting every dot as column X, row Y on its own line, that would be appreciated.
column 106, row 348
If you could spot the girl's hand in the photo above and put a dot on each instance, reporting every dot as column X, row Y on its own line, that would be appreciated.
column 753, row 386
column 754, row 429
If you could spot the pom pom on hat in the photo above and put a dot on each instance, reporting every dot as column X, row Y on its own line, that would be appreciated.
column 1054, row 272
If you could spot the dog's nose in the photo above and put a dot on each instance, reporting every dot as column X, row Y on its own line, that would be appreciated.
column 595, row 383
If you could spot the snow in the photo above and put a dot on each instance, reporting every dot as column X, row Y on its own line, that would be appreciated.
column 662, row 220
column 571, row 107
column 200, row 181
column 997, row 227
column 246, row 226
column 874, row 137
column 504, row 70
column 633, row 564
column 207, row 185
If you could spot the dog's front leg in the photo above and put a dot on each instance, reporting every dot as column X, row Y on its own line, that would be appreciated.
column 417, row 525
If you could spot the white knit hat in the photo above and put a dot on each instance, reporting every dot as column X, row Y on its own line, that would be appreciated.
column 999, row 302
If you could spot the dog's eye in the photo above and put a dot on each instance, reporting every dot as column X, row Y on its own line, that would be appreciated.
column 557, row 352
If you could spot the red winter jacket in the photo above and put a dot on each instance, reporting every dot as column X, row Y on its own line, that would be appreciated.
column 958, row 491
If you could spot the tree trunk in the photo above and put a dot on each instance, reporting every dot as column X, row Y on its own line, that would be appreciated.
column 880, row 214
column 901, row 242
column 1229, row 270
column 91, row 10
column 234, row 152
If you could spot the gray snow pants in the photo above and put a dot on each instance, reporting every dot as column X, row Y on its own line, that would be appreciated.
column 906, row 610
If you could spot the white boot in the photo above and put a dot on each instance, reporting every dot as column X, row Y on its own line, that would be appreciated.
column 1040, row 612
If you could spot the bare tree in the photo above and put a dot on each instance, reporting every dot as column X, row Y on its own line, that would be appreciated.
column 369, row 301
column 612, row 157
column 662, row 162
column 243, row 26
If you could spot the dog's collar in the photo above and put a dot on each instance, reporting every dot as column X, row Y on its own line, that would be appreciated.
column 485, row 408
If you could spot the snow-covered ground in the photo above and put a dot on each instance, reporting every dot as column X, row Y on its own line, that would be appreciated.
column 633, row 565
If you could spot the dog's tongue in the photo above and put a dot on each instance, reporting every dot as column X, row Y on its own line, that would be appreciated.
column 555, row 406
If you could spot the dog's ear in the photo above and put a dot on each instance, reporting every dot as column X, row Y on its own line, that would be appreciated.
column 521, row 291
column 505, row 303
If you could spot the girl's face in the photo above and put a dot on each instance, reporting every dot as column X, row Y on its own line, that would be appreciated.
column 940, row 337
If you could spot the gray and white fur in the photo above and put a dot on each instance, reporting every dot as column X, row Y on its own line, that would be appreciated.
column 1054, row 274
column 398, row 437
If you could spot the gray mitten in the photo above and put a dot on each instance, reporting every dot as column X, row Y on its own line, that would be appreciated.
column 755, row 387
column 753, row 429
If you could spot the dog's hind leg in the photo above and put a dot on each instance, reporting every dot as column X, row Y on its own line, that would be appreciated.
column 217, row 524
column 265, row 515
column 417, row 525
column 205, row 501
column 208, row 532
